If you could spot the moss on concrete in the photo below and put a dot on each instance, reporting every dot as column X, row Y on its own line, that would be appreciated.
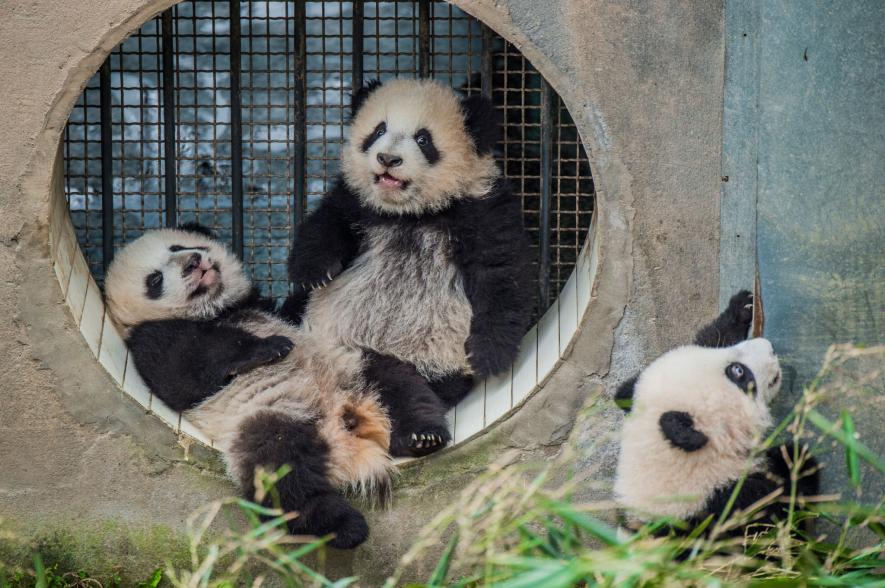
column 106, row 550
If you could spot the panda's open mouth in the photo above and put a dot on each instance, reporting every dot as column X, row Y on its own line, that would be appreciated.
column 388, row 182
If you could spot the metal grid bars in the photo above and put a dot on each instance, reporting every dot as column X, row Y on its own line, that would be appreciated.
column 247, row 102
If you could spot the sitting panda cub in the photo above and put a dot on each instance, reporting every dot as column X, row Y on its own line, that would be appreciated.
column 695, row 417
column 418, row 255
column 266, row 392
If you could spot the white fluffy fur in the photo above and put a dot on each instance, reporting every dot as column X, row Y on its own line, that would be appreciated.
column 407, row 106
column 316, row 381
column 126, row 290
column 409, row 304
column 656, row 479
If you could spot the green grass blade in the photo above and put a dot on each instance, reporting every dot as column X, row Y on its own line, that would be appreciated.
column 829, row 428
column 851, row 458
column 438, row 577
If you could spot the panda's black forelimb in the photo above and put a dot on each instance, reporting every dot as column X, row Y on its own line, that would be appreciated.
column 730, row 327
column 417, row 415
column 324, row 245
column 270, row 440
column 493, row 253
column 678, row 429
column 759, row 485
column 183, row 362
column 453, row 388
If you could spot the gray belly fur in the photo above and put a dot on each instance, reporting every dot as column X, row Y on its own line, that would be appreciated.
column 408, row 302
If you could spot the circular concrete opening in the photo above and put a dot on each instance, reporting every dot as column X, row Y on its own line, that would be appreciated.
column 263, row 137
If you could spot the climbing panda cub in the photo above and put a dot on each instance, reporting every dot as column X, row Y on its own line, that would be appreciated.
column 695, row 417
column 267, row 393
column 418, row 255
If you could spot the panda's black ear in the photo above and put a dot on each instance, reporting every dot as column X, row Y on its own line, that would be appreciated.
column 360, row 96
column 483, row 122
column 197, row 228
column 624, row 394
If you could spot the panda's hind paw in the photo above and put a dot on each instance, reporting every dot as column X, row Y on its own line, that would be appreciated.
column 424, row 441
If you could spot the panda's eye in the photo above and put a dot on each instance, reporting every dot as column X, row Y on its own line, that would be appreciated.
column 421, row 140
column 736, row 371
column 154, row 284
column 741, row 376
column 175, row 248
column 380, row 129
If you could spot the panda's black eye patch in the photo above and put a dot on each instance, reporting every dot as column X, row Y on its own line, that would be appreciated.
column 741, row 376
column 177, row 248
column 154, row 284
column 376, row 134
column 424, row 140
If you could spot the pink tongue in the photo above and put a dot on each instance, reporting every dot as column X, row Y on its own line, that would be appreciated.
column 390, row 182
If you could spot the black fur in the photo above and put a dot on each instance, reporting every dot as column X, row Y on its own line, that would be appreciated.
column 184, row 361
column 360, row 96
column 757, row 486
column 678, row 429
column 483, row 122
column 730, row 327
column 194, row 227
column 452, row 389
column 325, row 243
column 417, row 415
column 272, row 439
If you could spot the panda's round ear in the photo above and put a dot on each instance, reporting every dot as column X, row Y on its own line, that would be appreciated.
column 483, row 122
column 360, row 96
column 197, row 228
column 624, row 394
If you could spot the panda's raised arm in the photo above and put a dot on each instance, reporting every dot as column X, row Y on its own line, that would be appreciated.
column 493, row 254
column 730, row 327
column 184, row 361
column 326, row 242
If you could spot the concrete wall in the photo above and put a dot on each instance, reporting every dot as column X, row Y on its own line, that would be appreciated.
column 643, row 82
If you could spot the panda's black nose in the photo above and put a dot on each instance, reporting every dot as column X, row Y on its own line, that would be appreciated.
column 388, row 160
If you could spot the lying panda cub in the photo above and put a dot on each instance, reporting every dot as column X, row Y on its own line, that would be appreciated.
column 696, row 414
column 418, row 255
column 267, row 393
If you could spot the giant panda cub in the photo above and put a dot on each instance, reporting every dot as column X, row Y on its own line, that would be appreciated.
column 418, row 255
column 695, row 418
column 263, row 390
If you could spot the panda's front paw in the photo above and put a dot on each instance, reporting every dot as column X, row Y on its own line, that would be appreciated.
column 267, row 350
column 317, row 275
column 419, row 441
column 739, row 312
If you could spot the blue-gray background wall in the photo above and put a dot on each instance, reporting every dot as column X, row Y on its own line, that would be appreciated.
column 804, row 152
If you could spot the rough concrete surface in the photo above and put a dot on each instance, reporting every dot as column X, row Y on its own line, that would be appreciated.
column 643, row 82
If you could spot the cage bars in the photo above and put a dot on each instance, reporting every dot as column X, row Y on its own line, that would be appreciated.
column 171, row 203
column 107, row 166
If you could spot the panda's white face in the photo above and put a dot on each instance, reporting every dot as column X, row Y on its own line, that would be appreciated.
column 726, row 390
column 409, row 151
column 172, row 273
column 720, row 397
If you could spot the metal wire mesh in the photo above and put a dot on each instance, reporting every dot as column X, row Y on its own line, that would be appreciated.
column 297, row 64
